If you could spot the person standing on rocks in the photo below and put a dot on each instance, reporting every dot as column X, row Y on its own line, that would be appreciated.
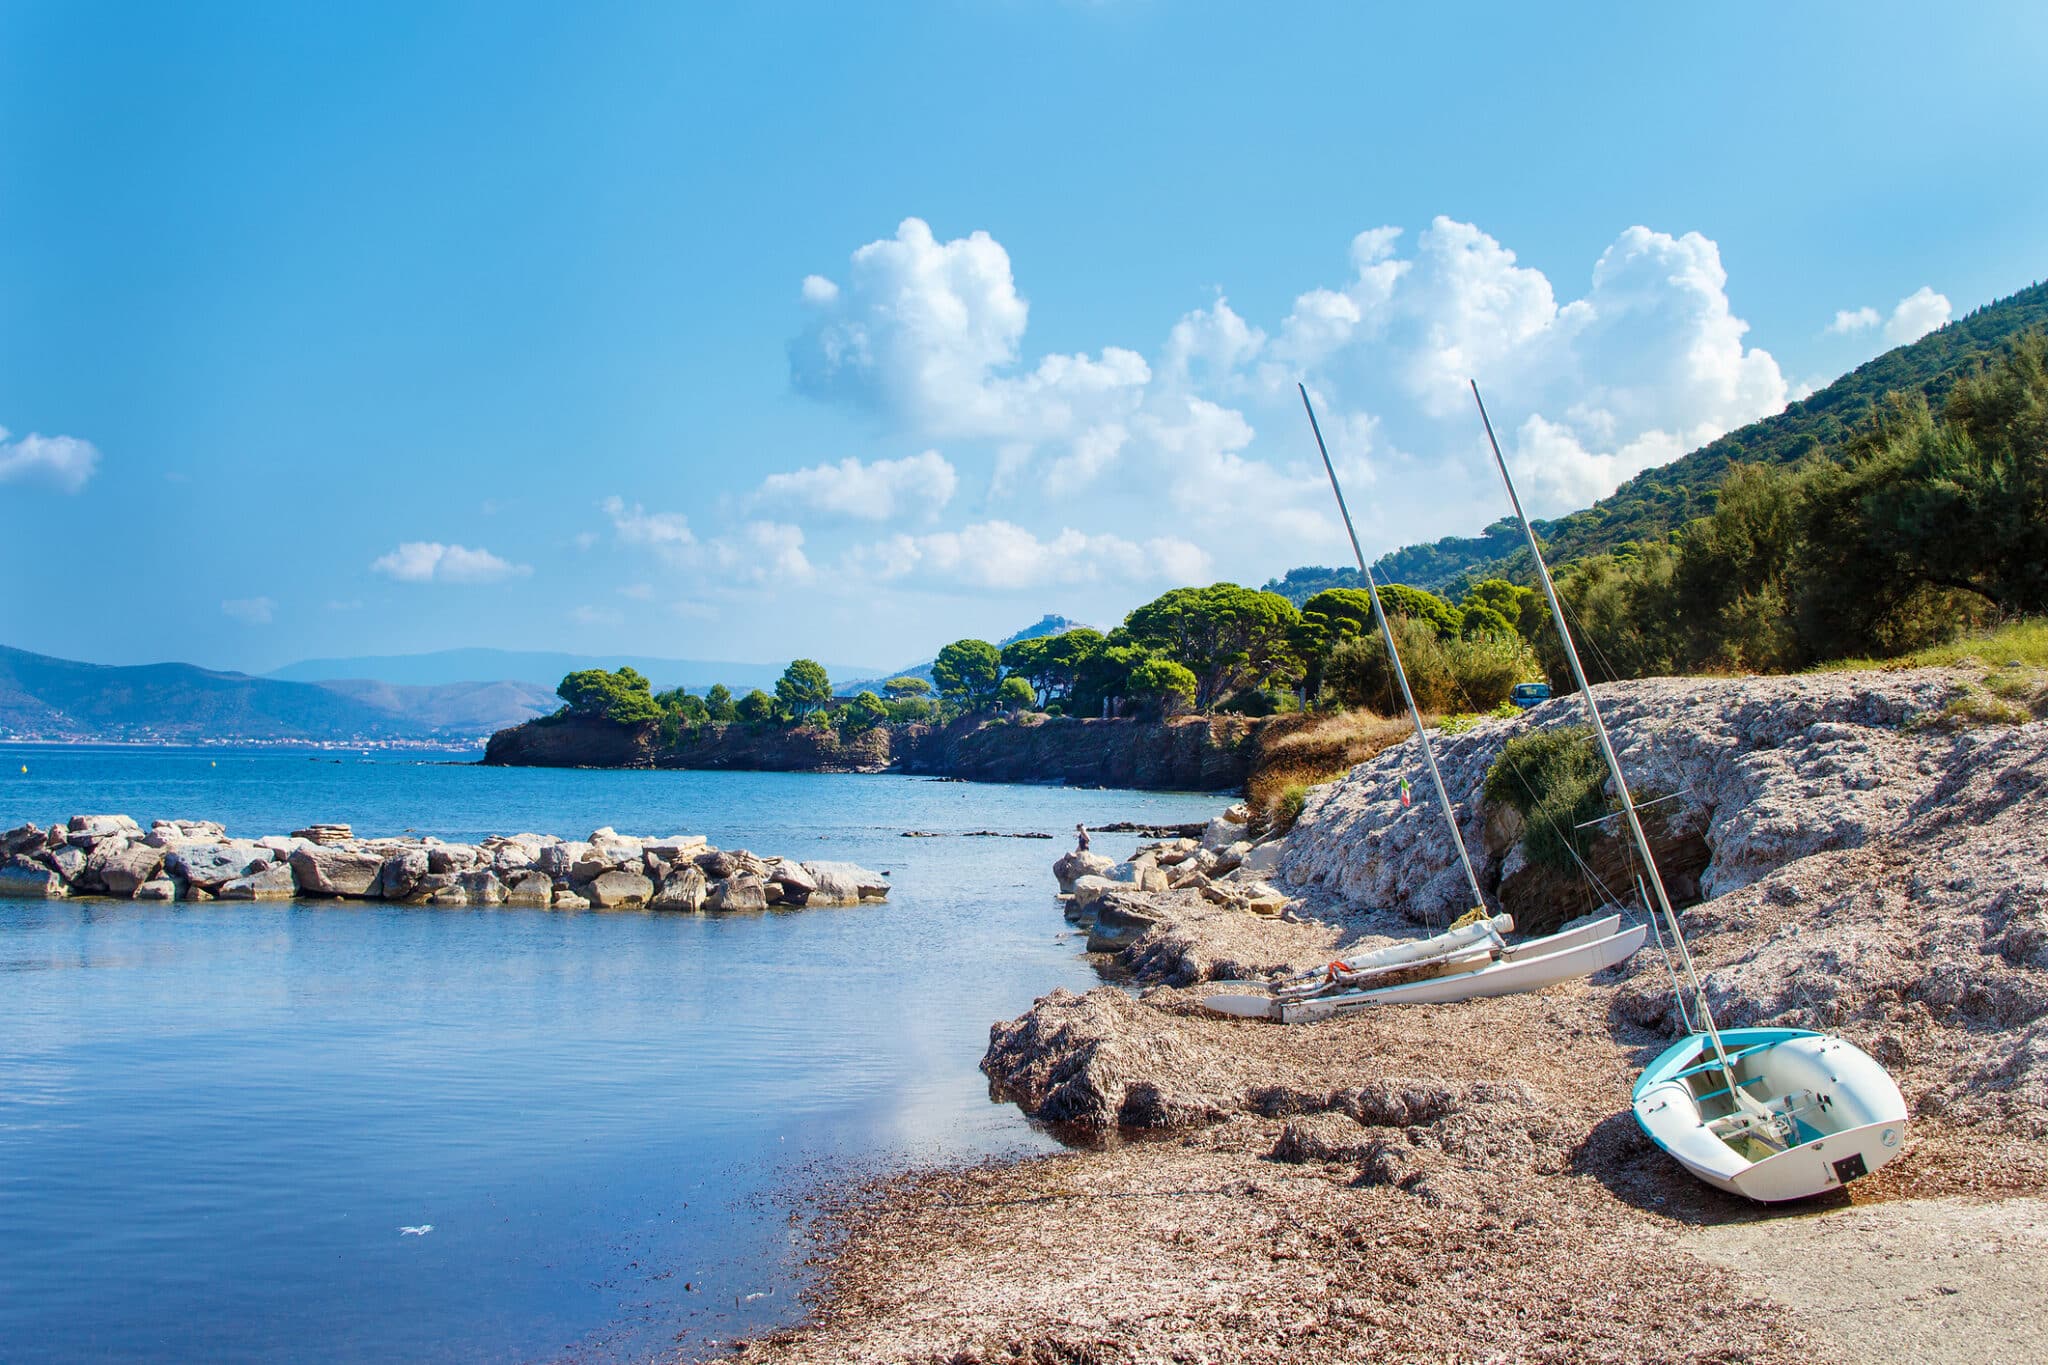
column 1080, row 838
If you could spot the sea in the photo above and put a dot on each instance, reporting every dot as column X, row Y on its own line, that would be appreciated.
column 339, row 1132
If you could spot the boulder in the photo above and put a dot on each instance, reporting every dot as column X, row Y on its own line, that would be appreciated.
column 569, row 900
column 449, row 897
column 530, row 889
column 1077, row 865
column 791, row 883
column 677, row 847
column 121, row 865
column 157, row 889
column 593, row 864
column 67, row 861
column 741, row 891
column 683, row 889
column 1222, row 833
column 283, row 846
column 272, row 883
column 206, row 864
column 510, row 857
column 451, row 858
column 324, row 871
column 619, row 888
column 21, row 879
column 401, row 873
column 25, row 841
column 87, row 830
column 845, row 884
column 1262, row 860
column 558, row 857
column 1090, row 890
column 1118, row 920
column 482, row 886
column 165, row 833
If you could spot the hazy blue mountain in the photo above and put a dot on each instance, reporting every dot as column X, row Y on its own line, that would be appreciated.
column 1048, row 624
column 541, row 668
column 49, row 698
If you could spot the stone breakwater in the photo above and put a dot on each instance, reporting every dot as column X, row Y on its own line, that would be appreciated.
column 196, row 860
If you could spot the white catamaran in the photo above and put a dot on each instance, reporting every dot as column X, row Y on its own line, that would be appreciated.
column 1470, row 960
column 1769, row 1113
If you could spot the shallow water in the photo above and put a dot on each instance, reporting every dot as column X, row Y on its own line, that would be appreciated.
column 215, row 1119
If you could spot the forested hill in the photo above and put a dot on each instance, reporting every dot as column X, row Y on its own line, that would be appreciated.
column 1662, row 499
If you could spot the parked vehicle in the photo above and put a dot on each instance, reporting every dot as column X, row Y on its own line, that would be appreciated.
column 1527, row 695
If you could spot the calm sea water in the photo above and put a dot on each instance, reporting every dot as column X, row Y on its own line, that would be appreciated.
column 215, row 1119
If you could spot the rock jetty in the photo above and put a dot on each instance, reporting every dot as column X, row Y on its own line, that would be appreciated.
column 196, row 860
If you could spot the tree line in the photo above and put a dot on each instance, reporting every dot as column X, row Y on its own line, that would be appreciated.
column 1221, row 648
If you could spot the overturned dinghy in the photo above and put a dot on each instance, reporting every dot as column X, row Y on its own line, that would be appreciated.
column 1806, row 1112
column 1466, row 963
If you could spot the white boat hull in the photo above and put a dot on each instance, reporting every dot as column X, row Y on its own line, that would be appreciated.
column 1852, row 1121
column 1504, row 976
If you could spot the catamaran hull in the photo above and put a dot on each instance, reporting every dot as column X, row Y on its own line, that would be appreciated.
column 1863, row 1121
column 1506, row 976
column 1576, row 952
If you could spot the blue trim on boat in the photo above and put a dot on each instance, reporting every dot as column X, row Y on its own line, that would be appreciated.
column 1676, row 1061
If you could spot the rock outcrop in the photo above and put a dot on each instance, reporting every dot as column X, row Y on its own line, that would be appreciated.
column 110, row 855
column 1193, row 754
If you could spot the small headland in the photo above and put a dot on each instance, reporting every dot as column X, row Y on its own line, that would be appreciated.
column 1194, row 753
column 1465, row 1181
column 196, row 860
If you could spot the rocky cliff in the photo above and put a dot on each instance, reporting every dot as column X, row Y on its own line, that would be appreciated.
column 1194, row 754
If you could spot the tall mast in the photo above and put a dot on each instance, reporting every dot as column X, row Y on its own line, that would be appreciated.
column 1628, row 804
column 1394, row 654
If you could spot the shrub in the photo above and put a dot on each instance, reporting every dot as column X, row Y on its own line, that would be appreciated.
column 1557, row 780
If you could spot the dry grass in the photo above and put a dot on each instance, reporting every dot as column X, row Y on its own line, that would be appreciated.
column 2017, row 642
column 1299, row 752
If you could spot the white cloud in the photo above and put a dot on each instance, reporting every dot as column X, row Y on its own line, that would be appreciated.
column 1849, row 321
column 926, row 333
column 63, row 462
column 1206, row 436
column 638, row 526
column 587, row 615
column 250, row 611
column 916, row 485
column 1004, row 556
column 1917, row 314
column 430, row 561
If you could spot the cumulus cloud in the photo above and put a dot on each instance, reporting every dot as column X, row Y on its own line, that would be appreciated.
column 64, row 463
column 1647, row 360
column 250, row 611
column 1003, row 556
column 1917, row 314
column 430, row 561
column 916, row 485
column 1849, row 321
column 761, row 554
column 926, row 333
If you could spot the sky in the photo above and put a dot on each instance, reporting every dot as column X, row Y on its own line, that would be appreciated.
column 753, row 332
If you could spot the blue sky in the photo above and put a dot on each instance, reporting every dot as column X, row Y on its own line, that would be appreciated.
column 846, row 330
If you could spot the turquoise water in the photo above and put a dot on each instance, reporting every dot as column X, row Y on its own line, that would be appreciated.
column 215, row 1119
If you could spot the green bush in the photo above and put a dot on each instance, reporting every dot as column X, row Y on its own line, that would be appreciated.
column 1557, row 780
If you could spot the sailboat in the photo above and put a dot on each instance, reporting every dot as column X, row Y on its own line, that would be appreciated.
column 1467, row 961
column 1768, row 1113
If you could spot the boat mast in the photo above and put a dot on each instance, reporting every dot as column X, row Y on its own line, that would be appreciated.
column 1628, row 805
column 1394, row 654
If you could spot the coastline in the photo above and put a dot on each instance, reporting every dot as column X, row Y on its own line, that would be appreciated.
column 1465, row 1181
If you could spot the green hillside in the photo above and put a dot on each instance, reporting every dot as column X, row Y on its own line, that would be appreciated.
column 1660, row 500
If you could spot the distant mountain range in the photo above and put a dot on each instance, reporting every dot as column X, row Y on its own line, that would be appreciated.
column 1661, row 499
column 59, row 699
